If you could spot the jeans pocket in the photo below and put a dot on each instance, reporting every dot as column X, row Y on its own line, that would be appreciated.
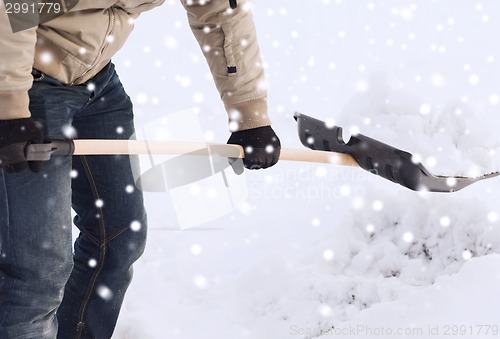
column 37, row 75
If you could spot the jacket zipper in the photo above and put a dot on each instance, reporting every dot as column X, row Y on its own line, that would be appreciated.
column 104, row 45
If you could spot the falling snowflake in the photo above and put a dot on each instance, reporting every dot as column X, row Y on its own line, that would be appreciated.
column 492, row 217
column 445, row 221
column 104, row 292
column 325, row 310
column 358, row 203
column 474, row 79
column 378, row 205
column 494, row 99
column 408, row 237
column 466, row 255
column 183, row 80
column 200, row 281
column 362, row 86
column 451, row 182
column 234, row 126
column 141, row 98
column 69, row 131
column 345, row 190
column 46, row 57
column 437, row 79
column 171, row 42
column 198, row 97
column 269, row 149
column 425, row 109
column 328, row 255
column 370, row 228
column 196, row 249
column 135, row 226
column 431, row 161
column 353, row 130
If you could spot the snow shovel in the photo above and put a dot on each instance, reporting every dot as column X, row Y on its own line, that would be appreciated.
column 378, row 158
column 326, row 143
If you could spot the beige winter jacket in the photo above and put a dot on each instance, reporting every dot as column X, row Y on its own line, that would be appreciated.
column 77, row 45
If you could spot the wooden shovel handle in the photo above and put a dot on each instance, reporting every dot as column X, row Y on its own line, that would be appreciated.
column 108, row 147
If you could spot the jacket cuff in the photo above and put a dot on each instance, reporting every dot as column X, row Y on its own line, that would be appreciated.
column 14, row 105
column 248, row 114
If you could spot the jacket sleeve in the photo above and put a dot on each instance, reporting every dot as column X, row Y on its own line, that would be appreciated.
column 228, row 39
column 16, row 61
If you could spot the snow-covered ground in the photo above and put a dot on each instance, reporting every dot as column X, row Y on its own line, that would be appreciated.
column 317, row 250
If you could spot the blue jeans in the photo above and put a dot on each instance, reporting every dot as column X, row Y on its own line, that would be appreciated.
column 46, row 289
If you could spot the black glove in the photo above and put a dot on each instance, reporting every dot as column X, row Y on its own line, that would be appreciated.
column 261, row 145
column 15, row 135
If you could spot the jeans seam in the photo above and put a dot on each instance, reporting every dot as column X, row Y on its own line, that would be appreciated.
column 120, row 232
column 102, row 246
column 91, row 237
column 111, row 237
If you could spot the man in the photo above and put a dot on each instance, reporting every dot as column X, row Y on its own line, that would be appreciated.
column 57, row 76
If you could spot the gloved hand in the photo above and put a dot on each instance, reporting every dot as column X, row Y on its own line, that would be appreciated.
column 15, row 135
column 261, row 145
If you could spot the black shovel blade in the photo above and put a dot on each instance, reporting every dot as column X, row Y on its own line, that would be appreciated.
column 378, row 158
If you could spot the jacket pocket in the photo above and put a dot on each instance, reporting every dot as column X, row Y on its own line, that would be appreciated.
column 237, row 38
column 218, row 47
column 230, row 48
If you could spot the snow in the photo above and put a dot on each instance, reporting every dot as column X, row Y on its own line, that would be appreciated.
column 317, row 250
column 454, row 298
